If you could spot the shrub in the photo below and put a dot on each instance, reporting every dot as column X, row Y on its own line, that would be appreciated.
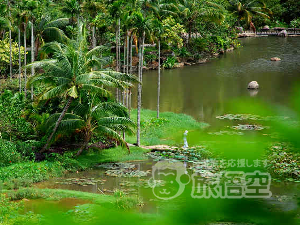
column 67, row 161
column 8, row 153
column 30, row 171
column 295, row 23
column 4, row 55
column 170, row 62
column 13, row 125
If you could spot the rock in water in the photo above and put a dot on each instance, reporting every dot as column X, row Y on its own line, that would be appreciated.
column 253, row 85
column 283, row 33
column 275, row 59
column 266, row 27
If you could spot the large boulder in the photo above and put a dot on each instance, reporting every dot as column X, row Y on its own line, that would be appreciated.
column 253, row 85
column 283, row 33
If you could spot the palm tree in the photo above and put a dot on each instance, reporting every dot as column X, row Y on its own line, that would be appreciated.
column 32, row 6
column 47, row 30
column 158, row 31
column 245, row 9
column 91, row 9
column 142, row 25
column 71, row 71
column 192, row 10
column 5, row 23
column 72, row 8
column 92, row 116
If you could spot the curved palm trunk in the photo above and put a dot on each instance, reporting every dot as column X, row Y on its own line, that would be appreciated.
column 25, row 74
column 63, row 113
column 158, row 81
column 85, row 144
column 32, row 56
column 20, row 66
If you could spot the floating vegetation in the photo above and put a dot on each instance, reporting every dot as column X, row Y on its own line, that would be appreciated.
column 191, row 155
column 123, row 170
column 81, row 181
column 224, row 132
column 251, row 117
column 127, row 173
column 117, row 166
column 142, row 183
column 249, row 127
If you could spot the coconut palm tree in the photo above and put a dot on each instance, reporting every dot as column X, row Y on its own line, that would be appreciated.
column 71, row 71
column 192, row 10
column 244, row 10
column 47, row 30
column 93, row 116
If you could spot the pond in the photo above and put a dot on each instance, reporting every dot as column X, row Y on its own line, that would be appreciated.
column 202, row 92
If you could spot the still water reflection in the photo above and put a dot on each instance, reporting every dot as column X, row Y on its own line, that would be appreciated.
column 202, row 90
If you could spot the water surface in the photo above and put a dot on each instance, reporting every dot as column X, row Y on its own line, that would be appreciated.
column 203, row 90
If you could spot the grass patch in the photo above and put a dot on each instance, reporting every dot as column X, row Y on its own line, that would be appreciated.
column 117, row 154
column 24, row 174
column 11, row 212
column 168, row 129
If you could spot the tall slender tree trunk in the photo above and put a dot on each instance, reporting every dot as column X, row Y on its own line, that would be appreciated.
column 127, row 65
column 139, row 98
column 139, row 103
column 124, row 58
column 130, row 64
column 94, row 41
column 119, row 43
column 158, row 80
column 20, row 65
column 127, row 53
column 25, row 62
column 117, row 56
column 63, row 113
column 129, row 103
column 117, row 47
column 32, row 56
column 10, row 45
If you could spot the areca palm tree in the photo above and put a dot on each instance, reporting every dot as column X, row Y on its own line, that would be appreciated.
column 72, row 8
column 71, row 71
column 91, row 9
column 94, row 116
column 141, row 26
column 245, row 9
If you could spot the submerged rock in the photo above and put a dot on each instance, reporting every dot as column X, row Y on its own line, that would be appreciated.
column 275, row 59
column 253, row 85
